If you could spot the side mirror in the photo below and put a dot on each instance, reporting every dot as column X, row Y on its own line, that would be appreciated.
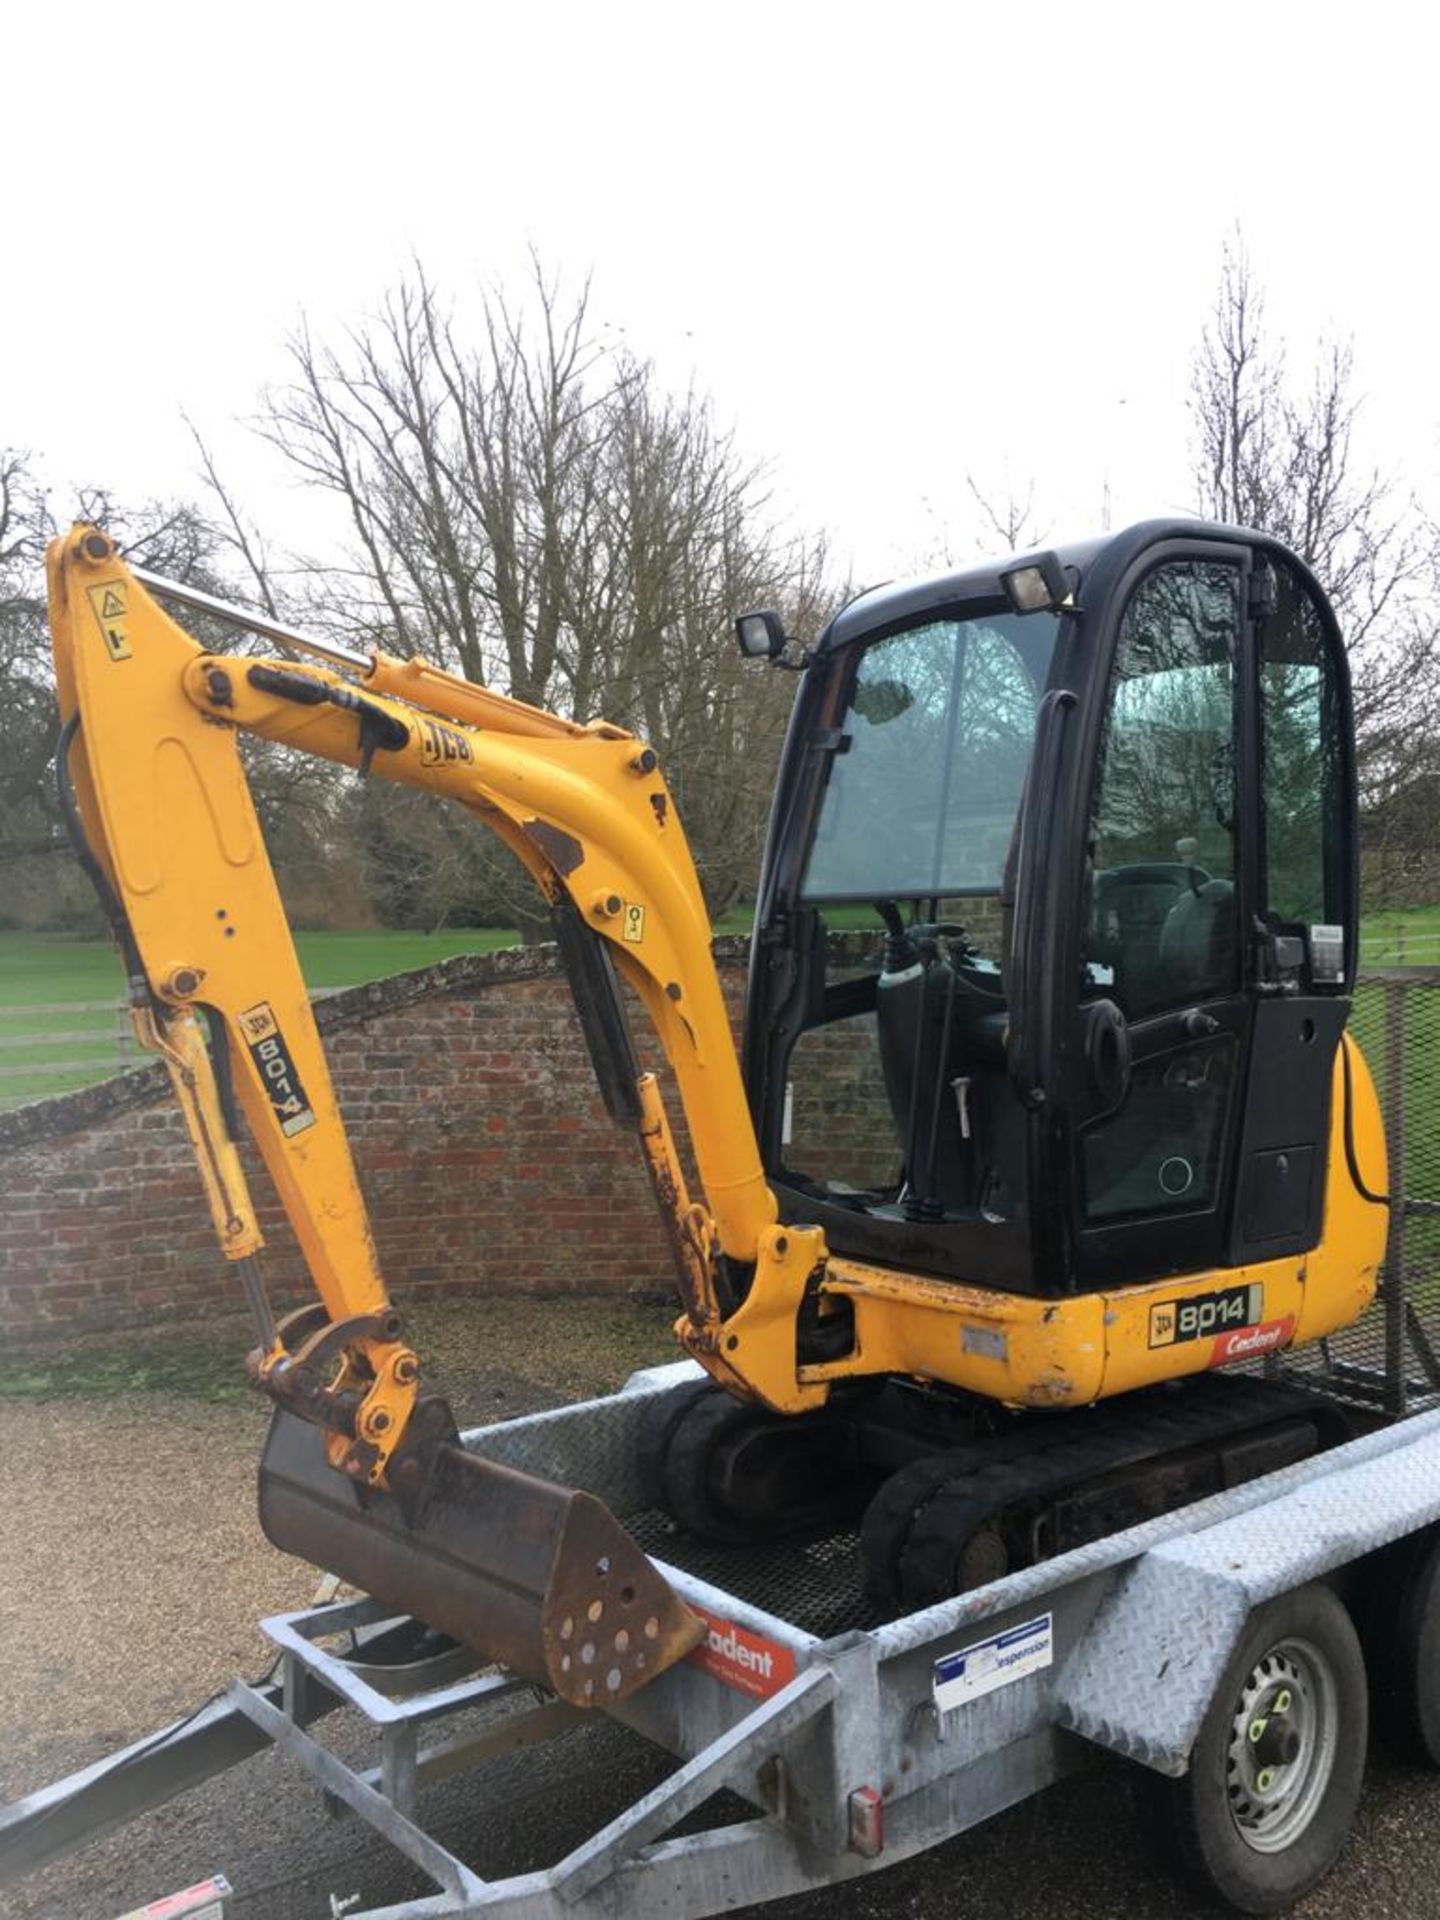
column 761, row 635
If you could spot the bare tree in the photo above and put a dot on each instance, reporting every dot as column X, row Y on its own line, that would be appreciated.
column 28, row 827
column 1280, row 454
column 1008, row 517
column 531, row 508
column 43, row 885
column 996, row 519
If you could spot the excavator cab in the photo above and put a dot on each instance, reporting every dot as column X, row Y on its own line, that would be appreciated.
column 1086, row 820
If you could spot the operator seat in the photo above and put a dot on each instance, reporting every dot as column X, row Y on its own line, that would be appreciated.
column 1197, row 941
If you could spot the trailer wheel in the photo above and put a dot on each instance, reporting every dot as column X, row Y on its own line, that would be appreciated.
column 1402, row 1643
column 1275, row 1773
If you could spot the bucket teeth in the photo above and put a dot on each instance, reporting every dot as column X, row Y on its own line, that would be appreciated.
column 533, row 1575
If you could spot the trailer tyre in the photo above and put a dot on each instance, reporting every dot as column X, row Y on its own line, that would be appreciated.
column 1403, row 1645
column 1276, row 1770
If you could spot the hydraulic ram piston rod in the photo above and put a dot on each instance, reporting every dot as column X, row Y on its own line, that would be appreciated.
column 254, row 622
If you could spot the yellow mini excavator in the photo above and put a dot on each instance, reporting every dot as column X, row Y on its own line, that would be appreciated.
column 1061, row 869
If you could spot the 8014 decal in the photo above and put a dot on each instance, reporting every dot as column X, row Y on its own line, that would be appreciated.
column 276, row 1068
column 1205, row 1314
column 1230, row 1318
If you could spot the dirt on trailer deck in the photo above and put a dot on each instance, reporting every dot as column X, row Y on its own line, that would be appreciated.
column 133, row 1573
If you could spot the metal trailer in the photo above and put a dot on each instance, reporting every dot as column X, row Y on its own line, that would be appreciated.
column 853, row 1742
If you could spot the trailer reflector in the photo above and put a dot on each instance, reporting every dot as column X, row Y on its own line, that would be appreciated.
column 867, row 1823
column 208, row 1900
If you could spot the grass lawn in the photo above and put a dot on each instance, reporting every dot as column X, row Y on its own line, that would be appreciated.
column 1401, row 936
column 46, row 970
column 40, row 968
column 49, row 970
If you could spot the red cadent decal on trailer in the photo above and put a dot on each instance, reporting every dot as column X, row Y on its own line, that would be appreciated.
column 1247, row 1343
column 743, row 1660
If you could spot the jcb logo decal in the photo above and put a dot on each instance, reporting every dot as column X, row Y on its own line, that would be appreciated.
column 439, row 744
column 1162, row 1324
column 258, row 1023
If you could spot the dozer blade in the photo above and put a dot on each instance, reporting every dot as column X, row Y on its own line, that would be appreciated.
column 527, row 1573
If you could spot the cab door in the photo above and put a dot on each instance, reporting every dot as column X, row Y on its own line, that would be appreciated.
column 1164, row 1020
column 1219, row 920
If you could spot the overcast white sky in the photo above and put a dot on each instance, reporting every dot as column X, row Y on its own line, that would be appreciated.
column 895, row 242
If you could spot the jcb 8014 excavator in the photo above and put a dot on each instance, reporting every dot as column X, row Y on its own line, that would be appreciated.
column 1097, row 808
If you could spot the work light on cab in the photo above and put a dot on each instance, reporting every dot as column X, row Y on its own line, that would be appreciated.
column 1039, row 586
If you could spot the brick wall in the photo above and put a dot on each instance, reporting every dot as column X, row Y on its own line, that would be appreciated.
column 486, row 1157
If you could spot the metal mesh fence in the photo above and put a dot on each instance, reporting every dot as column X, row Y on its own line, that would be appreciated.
column 1390, row 1357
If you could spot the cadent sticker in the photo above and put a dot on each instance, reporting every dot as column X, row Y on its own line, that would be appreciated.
column 108, row 602
column 1248, row 1343
column 741, row 1659
column 980, row 1669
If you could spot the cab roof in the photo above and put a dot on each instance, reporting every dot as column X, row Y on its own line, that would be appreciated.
column 900, row 602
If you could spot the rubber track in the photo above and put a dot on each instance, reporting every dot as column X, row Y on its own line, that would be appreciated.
column 971, row 1486
column 657, row 1425
column 893, row 1512
column 708, row 1422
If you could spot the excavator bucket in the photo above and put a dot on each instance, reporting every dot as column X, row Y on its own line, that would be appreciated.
column 533, row 1575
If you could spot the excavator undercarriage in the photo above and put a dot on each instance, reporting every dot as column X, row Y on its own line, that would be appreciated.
column 947, row 1496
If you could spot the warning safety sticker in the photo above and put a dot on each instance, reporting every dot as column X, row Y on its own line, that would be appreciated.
column 108, row 603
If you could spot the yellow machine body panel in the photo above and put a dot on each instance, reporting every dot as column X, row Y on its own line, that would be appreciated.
column 160, row 783
column 1092, row 1346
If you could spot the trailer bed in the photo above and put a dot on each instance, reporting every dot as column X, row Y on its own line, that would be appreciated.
column 843, row 1742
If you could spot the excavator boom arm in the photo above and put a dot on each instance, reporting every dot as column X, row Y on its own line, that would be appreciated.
column 586, row 810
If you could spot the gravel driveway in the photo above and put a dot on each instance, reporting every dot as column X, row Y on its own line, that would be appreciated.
column 133, row 1572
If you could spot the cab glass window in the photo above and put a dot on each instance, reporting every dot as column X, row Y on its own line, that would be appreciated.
column 1303, row 780
column 921, row 800
column 1162, row 925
